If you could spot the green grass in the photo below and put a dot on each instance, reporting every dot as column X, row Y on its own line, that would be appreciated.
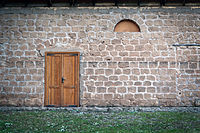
column 99, row 122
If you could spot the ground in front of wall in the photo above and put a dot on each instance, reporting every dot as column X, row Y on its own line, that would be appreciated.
column 76, row 121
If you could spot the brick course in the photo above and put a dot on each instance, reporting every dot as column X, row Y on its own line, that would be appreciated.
column 117, row 69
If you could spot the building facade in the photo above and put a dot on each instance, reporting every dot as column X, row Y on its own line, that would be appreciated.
column 146, row 68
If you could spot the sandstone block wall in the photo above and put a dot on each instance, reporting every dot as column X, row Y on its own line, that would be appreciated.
column 117, row 69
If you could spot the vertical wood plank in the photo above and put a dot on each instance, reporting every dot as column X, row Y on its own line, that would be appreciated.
column 77, row 89
column 53, row 85
column 77, row 79
column 69, row 82
column 46, row 101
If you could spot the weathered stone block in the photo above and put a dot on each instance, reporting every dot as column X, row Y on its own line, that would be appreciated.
column 99, row 71
column 163, row 64
column 108, row 96
column 123, row 64
column 99, row 96
column 121, row 89
column 123, row 78
column 29, row 64
column 112, row 90
column 115, row 78
column 108, row 72
column 151, row 89
column 119, row 48
column 101, row 89
column 138, row 96
column 141, row 89
column 112, row 64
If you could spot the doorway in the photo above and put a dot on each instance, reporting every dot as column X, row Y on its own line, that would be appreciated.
column 62, row 79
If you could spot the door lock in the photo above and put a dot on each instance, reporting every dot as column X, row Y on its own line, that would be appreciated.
column 63, row 79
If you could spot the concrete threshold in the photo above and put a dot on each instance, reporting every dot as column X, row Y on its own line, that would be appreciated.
column 105, row 109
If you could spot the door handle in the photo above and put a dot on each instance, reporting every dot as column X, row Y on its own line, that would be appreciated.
column 63, row 79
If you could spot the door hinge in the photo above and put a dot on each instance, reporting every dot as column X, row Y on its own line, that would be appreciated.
column 72, row 106
column 73, row 54
column 50, row 106
column 48, row 54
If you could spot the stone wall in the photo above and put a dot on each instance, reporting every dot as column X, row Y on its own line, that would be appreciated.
column 117, row 69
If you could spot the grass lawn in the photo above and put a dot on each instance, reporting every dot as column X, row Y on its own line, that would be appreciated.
column 99, row 122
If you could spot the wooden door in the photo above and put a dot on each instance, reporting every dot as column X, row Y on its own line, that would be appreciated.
column 62, row 79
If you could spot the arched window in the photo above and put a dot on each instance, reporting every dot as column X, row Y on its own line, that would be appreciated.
column 127, row 25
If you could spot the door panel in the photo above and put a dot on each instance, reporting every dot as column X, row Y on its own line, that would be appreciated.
column 69, row 97
column 55, row 71
column 54, row 98
column 62, row 79
column 69, row 71
column 69, row 85
column 53, row 77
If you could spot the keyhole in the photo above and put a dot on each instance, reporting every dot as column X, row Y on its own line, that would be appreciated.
column 63, row 79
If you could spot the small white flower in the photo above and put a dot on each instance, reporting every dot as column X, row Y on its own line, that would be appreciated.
column 8, row 124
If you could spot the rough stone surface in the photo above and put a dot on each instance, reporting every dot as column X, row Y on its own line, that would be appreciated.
column 116, row 69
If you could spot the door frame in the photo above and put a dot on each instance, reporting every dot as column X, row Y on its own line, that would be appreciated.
column 77, row 75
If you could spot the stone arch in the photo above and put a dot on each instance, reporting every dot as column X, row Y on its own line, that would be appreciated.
column 127, row 25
